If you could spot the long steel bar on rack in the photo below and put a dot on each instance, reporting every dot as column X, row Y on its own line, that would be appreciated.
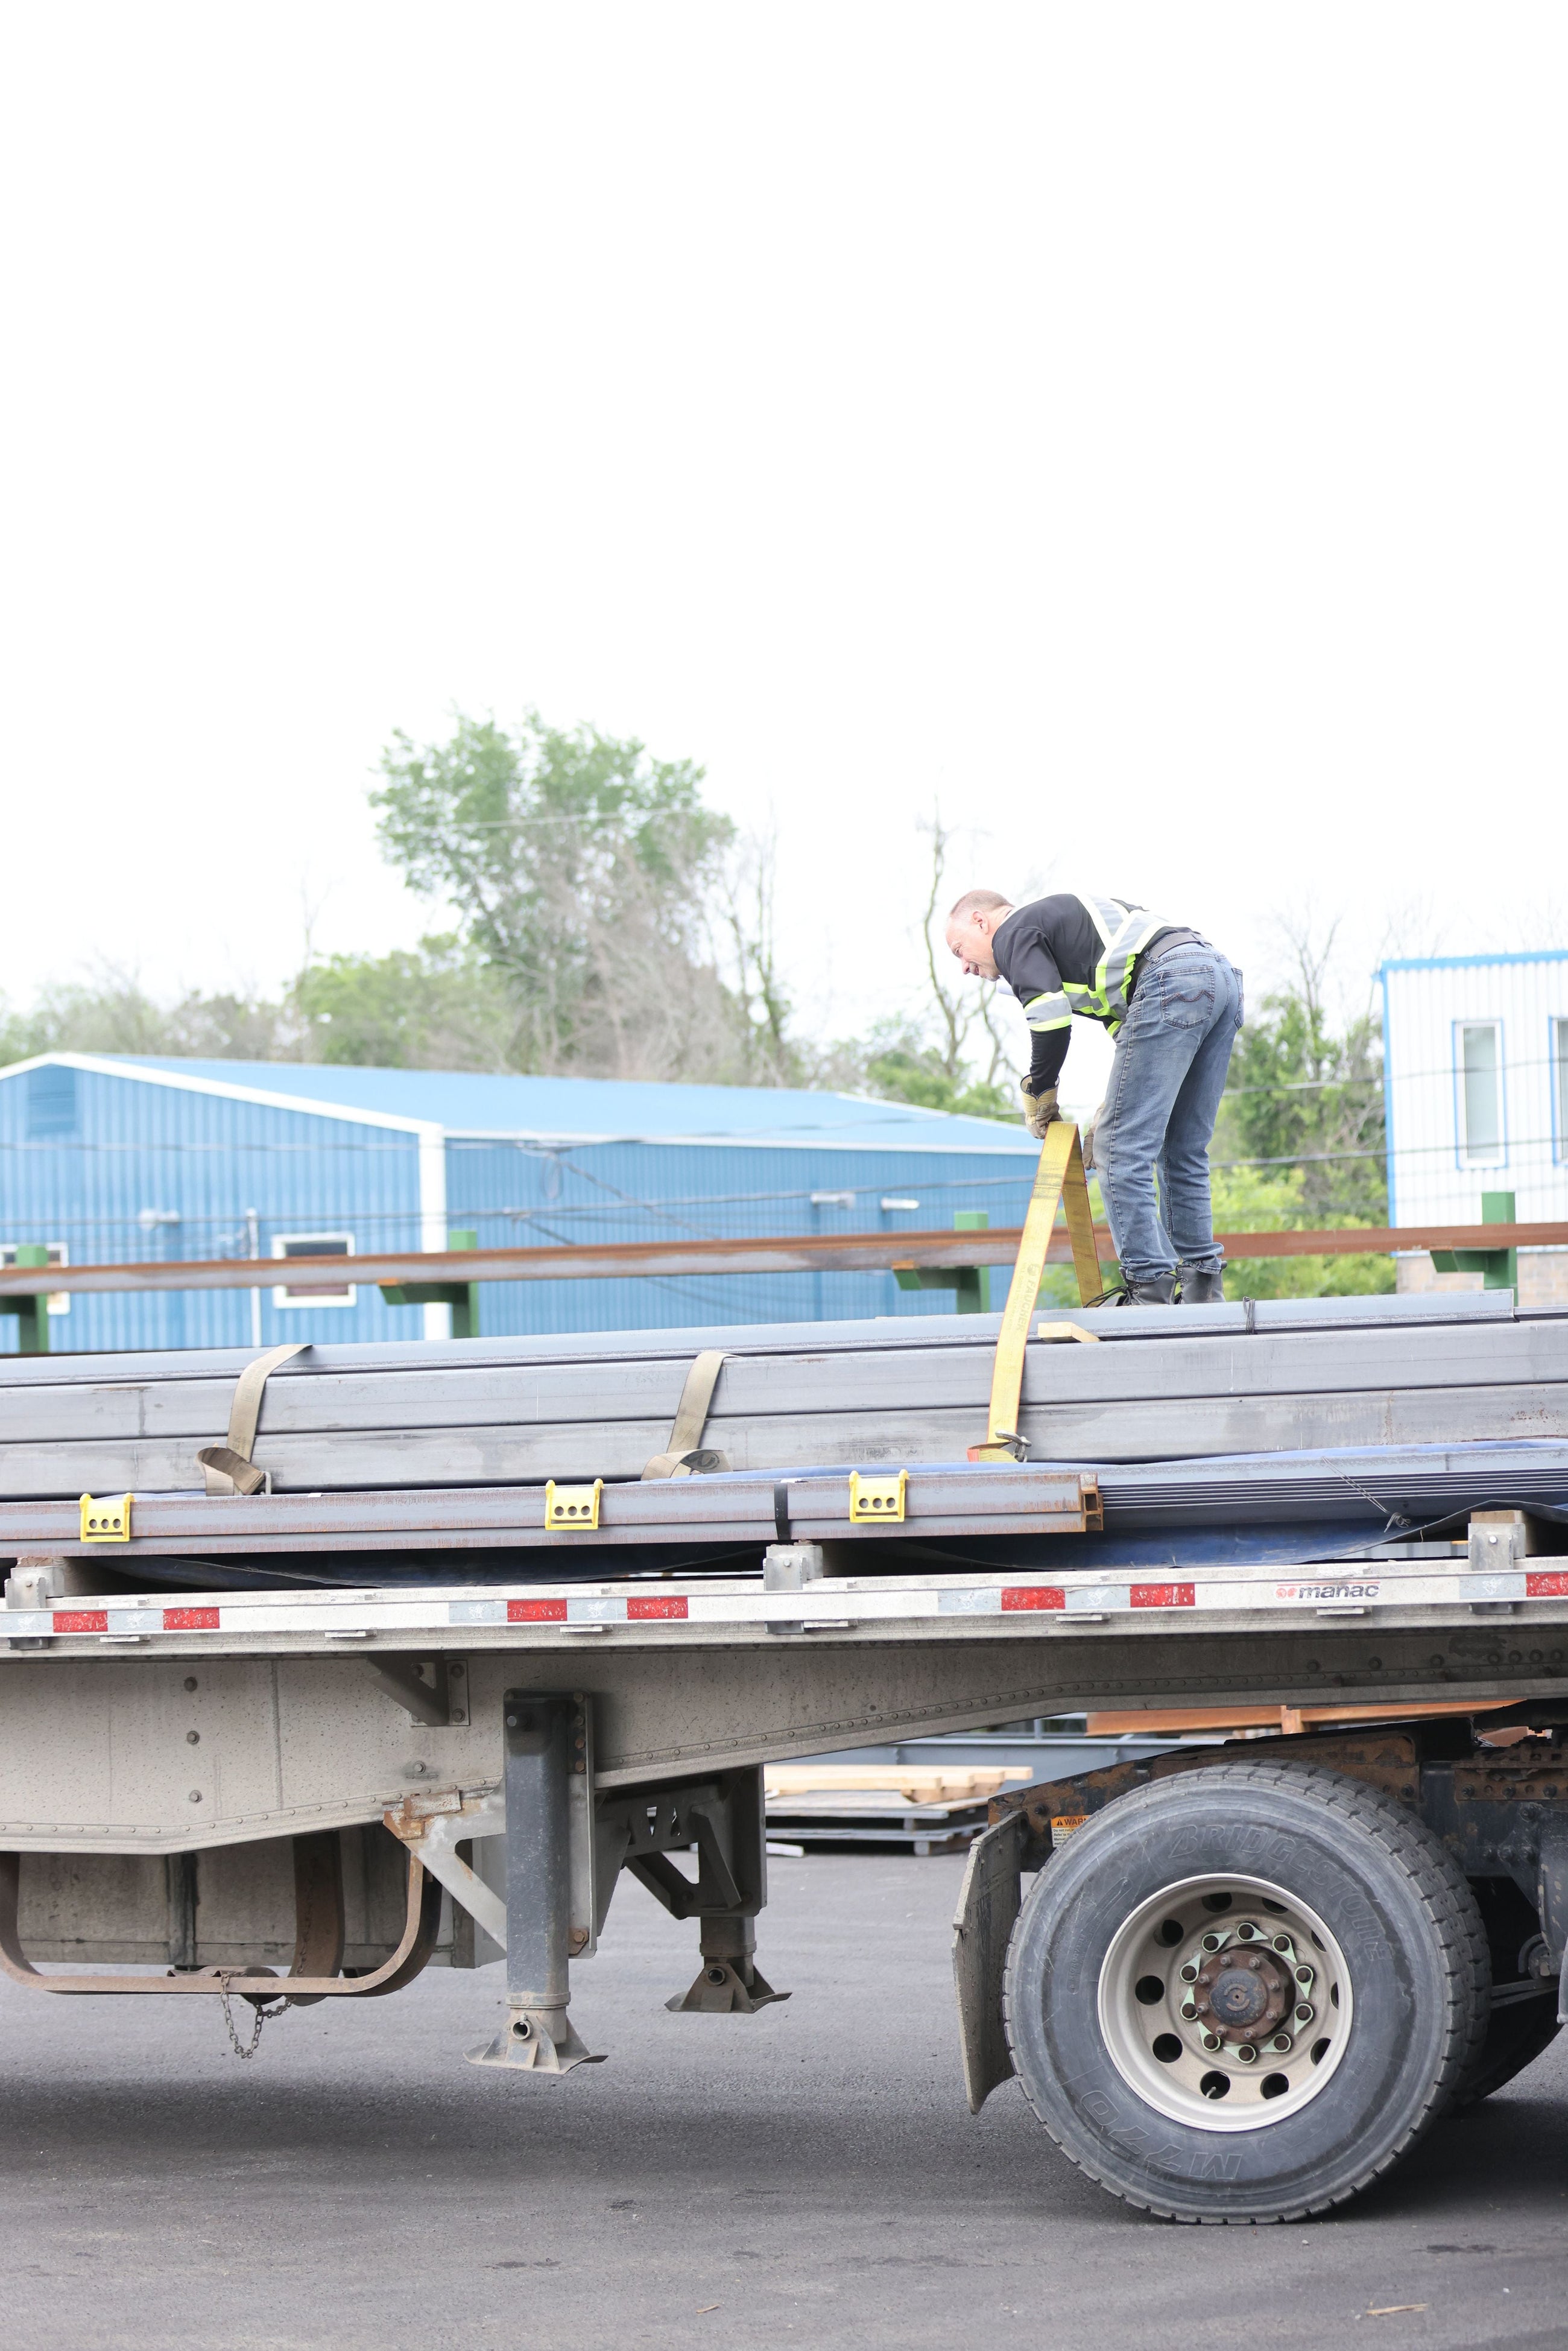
column 773, row 1253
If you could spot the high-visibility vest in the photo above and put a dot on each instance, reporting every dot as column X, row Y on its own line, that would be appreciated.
column 1123, row 934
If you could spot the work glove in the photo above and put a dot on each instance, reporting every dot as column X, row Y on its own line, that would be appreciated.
column 1039, row 1109
column 1086, row 1137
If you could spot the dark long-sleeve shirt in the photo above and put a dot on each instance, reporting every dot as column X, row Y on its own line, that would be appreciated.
column 1041, row 945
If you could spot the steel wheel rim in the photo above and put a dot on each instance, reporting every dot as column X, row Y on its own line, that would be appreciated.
column 1218, row 1982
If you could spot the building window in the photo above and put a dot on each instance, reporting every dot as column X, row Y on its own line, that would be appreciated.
column 1560, row 1090
column 314, row 1244
column 58, row 1254
column 1481, row 1093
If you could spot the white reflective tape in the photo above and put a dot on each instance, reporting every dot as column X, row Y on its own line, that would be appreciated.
column 1091, row 1599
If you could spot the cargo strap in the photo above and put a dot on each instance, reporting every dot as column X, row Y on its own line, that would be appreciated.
column 1058, row 1177
column 684, row 1453
column 228, row 1469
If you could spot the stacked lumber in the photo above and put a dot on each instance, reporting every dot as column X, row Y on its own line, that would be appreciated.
column 914, row 1783
column 917, row 1808
column 1166, row 1386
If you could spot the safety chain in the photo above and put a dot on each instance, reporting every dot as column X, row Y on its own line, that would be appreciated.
column 259, row 2014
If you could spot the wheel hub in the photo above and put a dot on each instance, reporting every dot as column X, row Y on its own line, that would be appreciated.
column 1225, row 2002
column 1241, row 1995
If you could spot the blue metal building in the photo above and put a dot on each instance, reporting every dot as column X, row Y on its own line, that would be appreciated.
column 113, row 1159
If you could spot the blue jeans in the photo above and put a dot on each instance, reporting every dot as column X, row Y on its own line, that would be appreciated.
column 1172, row 1051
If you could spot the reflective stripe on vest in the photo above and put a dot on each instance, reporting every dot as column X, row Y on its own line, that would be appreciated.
column 1047, row 1012
column 1123, row 934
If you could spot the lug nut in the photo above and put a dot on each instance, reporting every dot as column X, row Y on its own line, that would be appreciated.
column 1209, row 2040
column 1281, row 1942
column 1283, row 2043
column 1190, row 2009
column 1245, row 1931
column 1190, row 1973
column 1246, row 2054
column 1304, row 2013
column 1304, row 1976
column 1211, row 1942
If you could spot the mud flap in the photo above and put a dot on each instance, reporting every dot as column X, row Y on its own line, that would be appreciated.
column 982, row 1929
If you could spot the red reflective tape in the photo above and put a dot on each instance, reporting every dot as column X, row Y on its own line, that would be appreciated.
column 1163, row 1595
column 665, row 1605
column 81, row 1620
column 536, row 1612
column 190, row 1620
column 1033, row 1595
column 1549, row 1585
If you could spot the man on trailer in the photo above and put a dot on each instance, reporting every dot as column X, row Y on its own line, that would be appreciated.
column 1173, row 1003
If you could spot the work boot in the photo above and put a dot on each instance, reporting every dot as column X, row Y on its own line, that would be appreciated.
column 1158, row 1291
column 1202, row 1285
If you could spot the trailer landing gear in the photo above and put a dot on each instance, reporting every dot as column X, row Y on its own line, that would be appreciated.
column 546, row 1749
column 566, row 1847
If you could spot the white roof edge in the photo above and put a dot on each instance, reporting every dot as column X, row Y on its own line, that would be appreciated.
column 102, row 1066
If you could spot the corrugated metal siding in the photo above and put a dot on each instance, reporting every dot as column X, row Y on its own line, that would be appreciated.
column 1425, row 1003
column 84, row 1154
column 529, row 1196
column 80, row 1164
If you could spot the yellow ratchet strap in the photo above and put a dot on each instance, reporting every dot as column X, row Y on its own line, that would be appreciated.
column 228, row 1469
column 1058, row 1177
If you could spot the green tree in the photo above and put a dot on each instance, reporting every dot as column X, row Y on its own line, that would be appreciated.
column 581, row 872
column 1306, row 1094
column 949, row 1054
column 964, row 1015
column 1254, row 1200
column 437, row 1007
column 111, row 1012
column 1300, row 1141
column 899, row 1066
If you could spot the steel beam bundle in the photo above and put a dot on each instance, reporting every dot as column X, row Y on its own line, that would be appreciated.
column 1353, row 1500
column 1161, row 1386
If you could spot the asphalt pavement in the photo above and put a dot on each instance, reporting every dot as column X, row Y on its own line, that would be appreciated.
column 810, row 2175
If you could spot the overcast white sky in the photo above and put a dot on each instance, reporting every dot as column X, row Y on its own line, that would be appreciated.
column 1140, row 429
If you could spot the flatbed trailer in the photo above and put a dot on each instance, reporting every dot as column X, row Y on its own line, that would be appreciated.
column 1243, row 1980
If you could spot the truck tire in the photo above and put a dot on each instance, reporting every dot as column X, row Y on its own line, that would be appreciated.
column 1189, row 1971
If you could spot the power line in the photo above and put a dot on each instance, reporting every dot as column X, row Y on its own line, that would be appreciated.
column 1387, row 1076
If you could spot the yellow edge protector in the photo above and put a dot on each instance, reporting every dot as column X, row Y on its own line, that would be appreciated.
column 1058, row 1177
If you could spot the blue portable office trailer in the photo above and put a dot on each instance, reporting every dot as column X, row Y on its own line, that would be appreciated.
column 111, row 1159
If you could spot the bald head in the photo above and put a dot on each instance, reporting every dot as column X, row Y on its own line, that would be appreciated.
column 972, row 924
column 976, row 902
